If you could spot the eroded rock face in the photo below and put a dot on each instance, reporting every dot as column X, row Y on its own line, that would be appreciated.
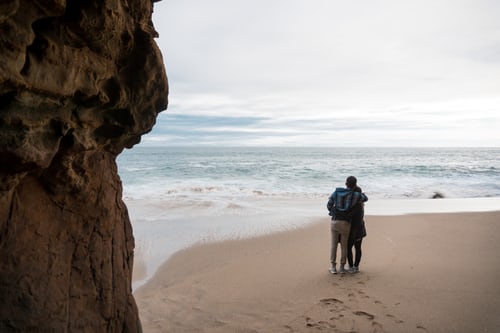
column 79, row 81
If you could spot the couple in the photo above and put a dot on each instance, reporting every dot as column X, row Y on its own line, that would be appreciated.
column 346, row 207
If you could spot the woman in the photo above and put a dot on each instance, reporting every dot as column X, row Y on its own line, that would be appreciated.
column 358, row 231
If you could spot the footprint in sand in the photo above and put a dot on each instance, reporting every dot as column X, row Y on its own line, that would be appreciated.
column 396, row 320
column 330, row 301
column 337, row 314
column 362, row 294
column 366, row 314
column 378, row 327
column 380, row 304
column 319, row 325
column 340, row 316
column 334, row 305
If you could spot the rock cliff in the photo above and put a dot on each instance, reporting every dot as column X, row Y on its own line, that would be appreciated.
column 80, row 80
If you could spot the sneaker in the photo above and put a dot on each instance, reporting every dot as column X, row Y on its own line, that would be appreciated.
column 342, row 270
column 352, row 269
column 355, row 269
column 333, row 270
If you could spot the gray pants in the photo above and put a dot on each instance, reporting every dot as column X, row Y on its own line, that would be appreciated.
column 339, row 228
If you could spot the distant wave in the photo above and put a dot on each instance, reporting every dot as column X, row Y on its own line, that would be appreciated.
column 394, row 173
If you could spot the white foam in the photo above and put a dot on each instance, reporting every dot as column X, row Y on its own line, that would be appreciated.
column 412, row 206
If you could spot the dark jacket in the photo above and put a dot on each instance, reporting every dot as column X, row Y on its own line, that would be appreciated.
column 358, row 229
column 343, row 202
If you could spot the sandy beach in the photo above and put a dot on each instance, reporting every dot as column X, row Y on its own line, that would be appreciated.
column 419, row 273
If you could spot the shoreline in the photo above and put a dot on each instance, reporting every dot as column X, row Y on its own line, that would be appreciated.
column 159, row 231
column 385, row 207
column 418, row 273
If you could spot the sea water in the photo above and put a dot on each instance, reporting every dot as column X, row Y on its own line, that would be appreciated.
column 166, row 172
column 178, row 196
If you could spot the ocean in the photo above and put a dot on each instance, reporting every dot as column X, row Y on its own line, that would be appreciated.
column 178, row 196
column 383, row 173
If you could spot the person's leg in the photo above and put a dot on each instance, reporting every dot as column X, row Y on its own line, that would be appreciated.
column 344, row 228
column 334, row 244
column 350, row 244
column 357, row 246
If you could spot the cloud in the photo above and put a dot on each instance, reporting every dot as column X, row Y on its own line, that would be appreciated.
column 282, row 70
column 421, row 125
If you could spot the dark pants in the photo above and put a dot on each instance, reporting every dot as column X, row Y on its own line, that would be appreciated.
column 357, row 246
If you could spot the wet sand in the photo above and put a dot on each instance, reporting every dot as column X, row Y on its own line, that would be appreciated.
column 419, row 273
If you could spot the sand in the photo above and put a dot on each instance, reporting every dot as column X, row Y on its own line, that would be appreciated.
column 419, row 273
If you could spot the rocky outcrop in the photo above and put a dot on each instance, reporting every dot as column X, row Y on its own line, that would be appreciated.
column 80, row 80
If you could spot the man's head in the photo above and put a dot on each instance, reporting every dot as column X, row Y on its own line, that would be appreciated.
column 351, row 182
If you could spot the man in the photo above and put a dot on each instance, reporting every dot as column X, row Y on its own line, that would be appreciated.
column 340, row 205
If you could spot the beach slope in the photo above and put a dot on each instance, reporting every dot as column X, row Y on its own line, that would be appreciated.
column 419, row 273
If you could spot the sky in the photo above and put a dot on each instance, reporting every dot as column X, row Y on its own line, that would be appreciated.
column 359, row 73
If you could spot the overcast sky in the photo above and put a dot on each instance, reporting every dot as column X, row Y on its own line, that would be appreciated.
column 330, row 73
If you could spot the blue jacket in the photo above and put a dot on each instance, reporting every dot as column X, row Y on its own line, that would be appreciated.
column 342, row 201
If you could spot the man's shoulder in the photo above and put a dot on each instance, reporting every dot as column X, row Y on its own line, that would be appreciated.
column 341, row 192
column 338, row 190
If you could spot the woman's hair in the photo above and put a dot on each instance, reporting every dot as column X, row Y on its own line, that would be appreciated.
column 351, row 181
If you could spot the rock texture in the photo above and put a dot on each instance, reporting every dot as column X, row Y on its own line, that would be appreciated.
column 80, row 80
